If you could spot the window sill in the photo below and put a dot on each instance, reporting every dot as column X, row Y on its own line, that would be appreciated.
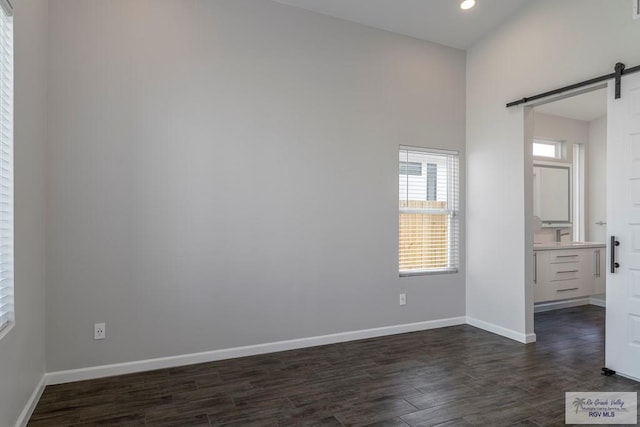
column 4, row 331
column 428, row 272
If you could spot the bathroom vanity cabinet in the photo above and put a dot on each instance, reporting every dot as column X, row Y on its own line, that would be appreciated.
column 568, row 270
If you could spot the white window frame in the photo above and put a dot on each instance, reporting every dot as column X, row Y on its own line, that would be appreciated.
column 7, row 311
column 558, row 148
column 450, row 161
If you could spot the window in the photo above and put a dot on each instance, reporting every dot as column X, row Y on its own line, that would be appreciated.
column 428, row 212
column 6, row 166
column 410, row 168
column 432, row 181
column 547, row 148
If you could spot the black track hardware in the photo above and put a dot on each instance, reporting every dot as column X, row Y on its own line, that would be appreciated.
column 619, row 71
column 607, row 372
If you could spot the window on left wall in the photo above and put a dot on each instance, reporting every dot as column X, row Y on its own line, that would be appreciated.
column 7, row 313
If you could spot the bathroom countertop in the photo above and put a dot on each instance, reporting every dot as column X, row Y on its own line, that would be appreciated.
column 566, row 245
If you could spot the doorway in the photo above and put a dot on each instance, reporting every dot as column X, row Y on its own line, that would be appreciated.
column 568, row 148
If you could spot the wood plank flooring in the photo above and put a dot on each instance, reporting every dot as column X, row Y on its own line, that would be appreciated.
column 457, row 376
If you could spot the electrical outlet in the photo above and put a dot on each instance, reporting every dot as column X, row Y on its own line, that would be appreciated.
column 99, row 331
column 403, row 299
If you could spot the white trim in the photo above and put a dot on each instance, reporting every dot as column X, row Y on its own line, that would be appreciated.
column 578, row 180
column 570, row 94
column 60, row 377
column 628, row 376
column 6, row 329
column 557, row 305
column 26, row 413
column 429, row 150
column 499, row 330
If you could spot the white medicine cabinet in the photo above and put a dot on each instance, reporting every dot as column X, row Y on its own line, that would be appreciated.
column 552, row 193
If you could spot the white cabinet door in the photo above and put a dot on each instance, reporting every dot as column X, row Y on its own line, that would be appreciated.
column 599, row 273
column 541, row 287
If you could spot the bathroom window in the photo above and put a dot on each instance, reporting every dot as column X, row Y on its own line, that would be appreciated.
column 428, row 212
column 547, row 148
column 6, row 168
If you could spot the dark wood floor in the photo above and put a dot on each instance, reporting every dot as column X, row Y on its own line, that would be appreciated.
column 457, row 376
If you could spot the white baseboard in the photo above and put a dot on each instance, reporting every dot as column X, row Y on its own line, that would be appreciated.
column 628, row 376
column 25, row 415
column 499, row 330
column 557, row 305
column 59, row 377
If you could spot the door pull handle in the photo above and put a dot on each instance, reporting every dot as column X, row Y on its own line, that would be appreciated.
column 614, row 264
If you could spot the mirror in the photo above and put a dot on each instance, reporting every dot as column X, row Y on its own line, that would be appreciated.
column 552, row 193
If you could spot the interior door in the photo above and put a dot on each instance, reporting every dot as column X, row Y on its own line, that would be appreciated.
column 622, row 340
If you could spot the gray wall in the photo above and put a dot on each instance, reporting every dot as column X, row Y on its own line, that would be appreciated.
column 224, row 173
column 521, row 59
column 22, row 351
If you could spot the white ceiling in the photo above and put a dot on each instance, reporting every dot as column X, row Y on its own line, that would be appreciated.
column 439, row 21
column 586, row 107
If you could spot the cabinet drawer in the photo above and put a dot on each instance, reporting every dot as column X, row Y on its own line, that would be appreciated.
column 567, row 285
column 565, row 271
column 562, row 257
column 570, row 290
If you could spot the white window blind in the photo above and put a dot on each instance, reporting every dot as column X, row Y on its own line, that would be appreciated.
column 429, row 236
column 6, row 169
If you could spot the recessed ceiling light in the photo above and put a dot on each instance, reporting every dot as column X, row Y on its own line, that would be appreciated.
column 467, row 4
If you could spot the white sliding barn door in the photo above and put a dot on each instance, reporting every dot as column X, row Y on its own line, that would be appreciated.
column 623, row 222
